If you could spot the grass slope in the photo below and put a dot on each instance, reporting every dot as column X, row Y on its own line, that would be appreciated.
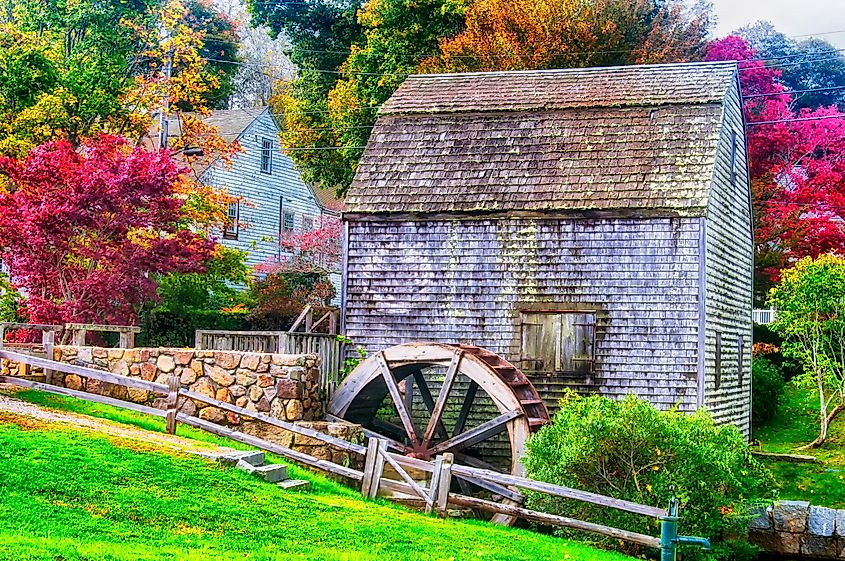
column 73, row 495
column 795, row 425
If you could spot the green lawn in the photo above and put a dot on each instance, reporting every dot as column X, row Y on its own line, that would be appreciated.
column 795, row 425
column 68, row 494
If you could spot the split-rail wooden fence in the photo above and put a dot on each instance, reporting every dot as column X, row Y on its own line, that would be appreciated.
column 433, row 492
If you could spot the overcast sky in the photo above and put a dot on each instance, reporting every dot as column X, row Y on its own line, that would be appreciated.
column 791, row 17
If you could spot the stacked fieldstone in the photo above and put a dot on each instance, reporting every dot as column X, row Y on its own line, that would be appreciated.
column 796, row 529
column 313, row 446
column 283, row 386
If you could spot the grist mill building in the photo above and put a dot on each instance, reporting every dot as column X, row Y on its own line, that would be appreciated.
column 592, row 226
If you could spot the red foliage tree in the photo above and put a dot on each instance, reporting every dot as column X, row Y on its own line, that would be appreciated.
column 797, row 169
column 86, row 232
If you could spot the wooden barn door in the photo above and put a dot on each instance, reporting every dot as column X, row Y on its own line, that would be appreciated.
column 557, row 352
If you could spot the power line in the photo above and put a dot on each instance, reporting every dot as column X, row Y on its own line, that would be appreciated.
column 793, row 92
column 796, row 120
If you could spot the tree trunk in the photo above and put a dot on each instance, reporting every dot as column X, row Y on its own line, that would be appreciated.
column 836, row 411
column 823, row 422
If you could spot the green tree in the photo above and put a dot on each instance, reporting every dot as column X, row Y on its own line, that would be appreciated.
column 804, row 65
column 810, row 302
column 69, row 67
column 326, row 126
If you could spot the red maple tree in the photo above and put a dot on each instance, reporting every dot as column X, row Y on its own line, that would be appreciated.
column 797, row 165
column 86, row 232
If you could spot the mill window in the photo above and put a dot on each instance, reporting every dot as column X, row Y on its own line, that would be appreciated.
column 558, row 342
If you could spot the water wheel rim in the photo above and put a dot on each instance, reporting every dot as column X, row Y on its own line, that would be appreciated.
column 407, row 358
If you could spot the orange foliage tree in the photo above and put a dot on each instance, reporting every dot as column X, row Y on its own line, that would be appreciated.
column 538, row 34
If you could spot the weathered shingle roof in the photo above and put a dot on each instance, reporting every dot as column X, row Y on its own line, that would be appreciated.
column 637, row 137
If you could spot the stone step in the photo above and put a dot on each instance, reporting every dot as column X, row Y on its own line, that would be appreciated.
column 272, row 473
column 294, row 484
column 252, row 457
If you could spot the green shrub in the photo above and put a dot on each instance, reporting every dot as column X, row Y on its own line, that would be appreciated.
column 629, row 450
column 166, row 328
column 767, row 386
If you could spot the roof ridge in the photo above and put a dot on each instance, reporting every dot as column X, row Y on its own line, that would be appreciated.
column 574, row 70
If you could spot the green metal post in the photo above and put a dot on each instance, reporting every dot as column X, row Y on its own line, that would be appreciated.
column 669, row 532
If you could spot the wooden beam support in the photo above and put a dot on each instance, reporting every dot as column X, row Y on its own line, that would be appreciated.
column 469, row 398
column 428, row 401
column 435, row 423
column 393, row 388
column 477, row 434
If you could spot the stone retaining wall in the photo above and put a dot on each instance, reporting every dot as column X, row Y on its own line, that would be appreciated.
column 796, row 529
column 283, row 386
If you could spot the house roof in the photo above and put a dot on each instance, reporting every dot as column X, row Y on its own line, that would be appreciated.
column 636, row 137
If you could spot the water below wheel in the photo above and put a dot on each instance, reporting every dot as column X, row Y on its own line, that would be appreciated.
column 427, row 399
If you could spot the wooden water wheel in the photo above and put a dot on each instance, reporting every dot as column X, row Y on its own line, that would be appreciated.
column 426, row 399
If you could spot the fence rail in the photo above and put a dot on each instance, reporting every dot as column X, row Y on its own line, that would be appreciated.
column 432, row 490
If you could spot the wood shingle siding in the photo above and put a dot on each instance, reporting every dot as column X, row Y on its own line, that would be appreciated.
column 486, row 199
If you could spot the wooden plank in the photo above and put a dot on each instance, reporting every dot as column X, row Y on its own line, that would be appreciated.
column 414, row 463
column 9, row 325
column 398, row 403
column 554, row 520
column 395, row 445
column 423, row 494
column 172, row 404
column 477, row 434
column 103, row 327
column 797, row 458
column 444, row 483
column 299, row 318
column 469, row 398
column 434, row 485
column 559, row 491
column 268, row 446
column 101, row 375
column 378, row 468
column 328, row 439
column 435, row 423
column 96, row 398
column 369, row 466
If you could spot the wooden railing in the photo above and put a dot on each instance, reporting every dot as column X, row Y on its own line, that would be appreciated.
column 328, row 347
column 433, row 491
column 762, row 316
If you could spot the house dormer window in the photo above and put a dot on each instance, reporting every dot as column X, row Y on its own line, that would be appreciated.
column 232, row 218
column 266, row 155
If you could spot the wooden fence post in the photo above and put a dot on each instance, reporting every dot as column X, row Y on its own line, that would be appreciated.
column 435, row 483
column 79, row 337
column 444, row 483
column 48, row 339
column 173, row 385
column 373, row 467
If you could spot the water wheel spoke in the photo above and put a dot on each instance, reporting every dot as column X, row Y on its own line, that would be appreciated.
column 398, row 401
column 469, row 399
column 428, row 401
column 435, row 423
column 477, row 434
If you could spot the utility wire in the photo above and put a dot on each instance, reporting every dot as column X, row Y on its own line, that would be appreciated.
column 796, row 120
column 793, row 92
